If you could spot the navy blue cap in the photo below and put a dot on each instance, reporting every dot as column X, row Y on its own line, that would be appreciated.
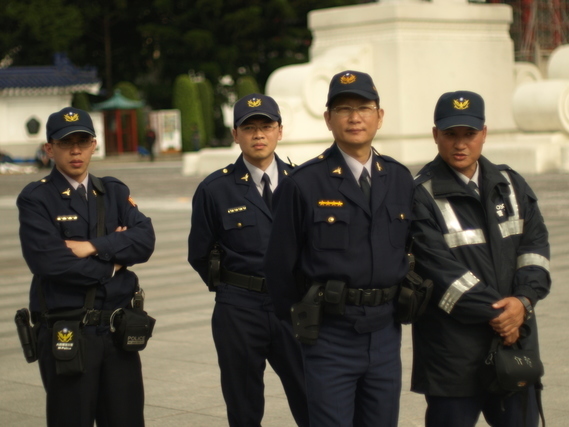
column 68, row 121
column 255, row 104
column 460, row 108
column 352, row 82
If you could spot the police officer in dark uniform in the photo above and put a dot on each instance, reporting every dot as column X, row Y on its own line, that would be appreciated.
column 231, row 223
column 340, row 227
column 479, row 235
column 86, row 377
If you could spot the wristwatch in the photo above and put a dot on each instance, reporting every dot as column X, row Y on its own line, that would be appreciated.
column 527, row 304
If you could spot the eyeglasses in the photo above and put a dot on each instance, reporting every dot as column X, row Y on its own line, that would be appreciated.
column 250, row 129
column 364, row 111
column 66, row 145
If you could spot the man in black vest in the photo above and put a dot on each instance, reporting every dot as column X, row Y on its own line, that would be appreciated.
column 479, row 235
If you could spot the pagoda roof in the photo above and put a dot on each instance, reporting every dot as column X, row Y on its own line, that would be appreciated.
column 118, row 102
column 58, row 79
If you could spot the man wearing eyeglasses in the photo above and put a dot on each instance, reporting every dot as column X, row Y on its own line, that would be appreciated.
column 231, row 223
column 339, row 236
column 80, row 278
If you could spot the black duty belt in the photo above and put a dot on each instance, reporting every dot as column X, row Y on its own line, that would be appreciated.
column 251, row 283
column 89, row 318
column 368, row 297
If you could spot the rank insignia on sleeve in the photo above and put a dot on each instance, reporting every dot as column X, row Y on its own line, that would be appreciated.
column 131, row 201
column 338, row 170
column 331, row 203
column 245, row 177
column 67, row 192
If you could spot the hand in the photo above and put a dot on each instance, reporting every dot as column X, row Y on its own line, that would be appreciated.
column 512, row 338
column 81, row 249
column 511, row 318
column 119, row 228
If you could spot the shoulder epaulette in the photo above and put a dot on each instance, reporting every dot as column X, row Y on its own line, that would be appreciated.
column 421, row 178
column 219, row 173
column 504, row 168
column 110, row 180
column 290, row 163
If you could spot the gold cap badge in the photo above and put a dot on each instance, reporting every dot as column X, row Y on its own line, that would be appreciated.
column 460, row 103
column 347, row 79
column 254, row 102
column 71, row 117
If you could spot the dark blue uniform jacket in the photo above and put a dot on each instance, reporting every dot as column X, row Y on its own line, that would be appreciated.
column 228, row 210
column 51, row 211
column 324, row 229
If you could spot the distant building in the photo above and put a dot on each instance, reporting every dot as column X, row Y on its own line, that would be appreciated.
column 28, row 95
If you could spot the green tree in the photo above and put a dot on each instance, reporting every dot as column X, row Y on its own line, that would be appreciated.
column 186, row 99
column 150, row 42
column 205, row 91
column 246, row 85
column 81, row 101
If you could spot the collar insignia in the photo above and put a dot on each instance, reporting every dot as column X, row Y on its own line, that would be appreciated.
column 460, row 104
column 378, row 167
column 245, row 177
column 67, row 192
column 338, row 170
column 331, row 203
column 94, row 193
column 71, row 117
column 254, row 103
column 285, row 172
column 347, row 79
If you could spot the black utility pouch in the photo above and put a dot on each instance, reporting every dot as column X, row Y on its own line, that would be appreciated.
column 306, row 316
column 414, row 295
column 68, row 347
column 335, row 297
column 131, row 328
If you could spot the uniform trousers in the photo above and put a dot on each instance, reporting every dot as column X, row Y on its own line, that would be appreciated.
column 245, row 338
column 110, row 391
column 465, row 411
column 353, row 379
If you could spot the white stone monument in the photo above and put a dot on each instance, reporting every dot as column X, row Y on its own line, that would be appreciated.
column 415, row 51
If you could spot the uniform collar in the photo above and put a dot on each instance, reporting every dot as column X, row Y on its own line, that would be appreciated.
column 257, row 174
column 355, row 166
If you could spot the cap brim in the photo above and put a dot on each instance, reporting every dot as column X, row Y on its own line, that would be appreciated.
column 71, row 129
column 366, row 95
column 242, row 119
column 452, row 122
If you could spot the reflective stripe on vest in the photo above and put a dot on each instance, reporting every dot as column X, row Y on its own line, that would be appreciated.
column 527, row 260
column 514, row 225
column 456, row 289
column 456, row 236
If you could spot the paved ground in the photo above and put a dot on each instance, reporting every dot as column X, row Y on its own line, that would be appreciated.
column 180, row 367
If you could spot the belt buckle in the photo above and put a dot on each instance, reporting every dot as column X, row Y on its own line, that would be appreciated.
column 366, row 297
